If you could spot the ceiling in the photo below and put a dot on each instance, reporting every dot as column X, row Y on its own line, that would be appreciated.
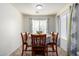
column 30, row 9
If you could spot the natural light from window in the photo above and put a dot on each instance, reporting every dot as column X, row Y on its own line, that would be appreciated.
column 39, row 25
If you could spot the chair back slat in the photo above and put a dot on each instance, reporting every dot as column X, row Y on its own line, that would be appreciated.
column 38, row 40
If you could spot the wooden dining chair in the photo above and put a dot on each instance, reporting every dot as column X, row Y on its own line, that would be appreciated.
column 24, row 42
column 54, row 43
column 38, row 44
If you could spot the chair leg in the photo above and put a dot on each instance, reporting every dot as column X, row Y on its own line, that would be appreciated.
column 26, row 49
column 47, row 51
column 53, row 47
column 22, row 50
column 56, row 51
column 32, row 52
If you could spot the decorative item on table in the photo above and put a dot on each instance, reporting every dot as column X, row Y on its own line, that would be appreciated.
column 39, row 32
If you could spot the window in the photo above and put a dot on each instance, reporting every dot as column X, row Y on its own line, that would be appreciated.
column 64, row 24
column 39, row 25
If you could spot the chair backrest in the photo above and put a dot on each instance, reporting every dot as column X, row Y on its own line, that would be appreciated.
column 24, row 37
column 54, row 37
column 38, row 40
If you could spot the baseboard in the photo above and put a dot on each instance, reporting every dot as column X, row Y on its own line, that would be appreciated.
column 14, row 51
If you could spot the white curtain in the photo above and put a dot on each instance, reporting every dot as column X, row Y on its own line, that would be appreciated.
column 39, row 24
column 74, row 30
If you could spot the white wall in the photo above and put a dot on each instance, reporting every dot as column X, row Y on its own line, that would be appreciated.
column 27, row 23
column 51, row 23
column 10, row 28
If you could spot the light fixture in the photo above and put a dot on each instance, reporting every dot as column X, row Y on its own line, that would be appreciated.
column 39, row 6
